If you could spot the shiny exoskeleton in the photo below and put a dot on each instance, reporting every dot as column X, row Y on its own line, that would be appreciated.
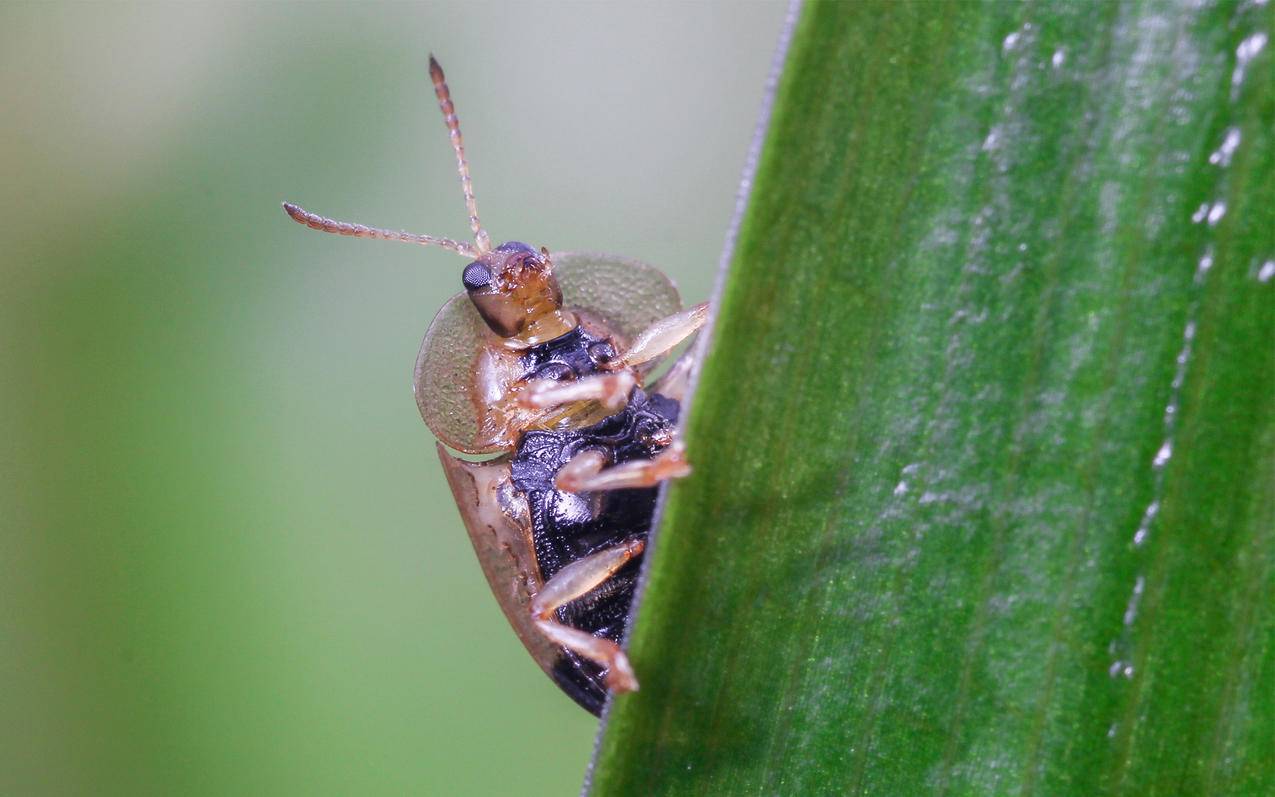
column 567, row 527
column 542, row 362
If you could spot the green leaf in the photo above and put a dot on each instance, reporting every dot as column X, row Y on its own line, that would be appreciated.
column 984, row 499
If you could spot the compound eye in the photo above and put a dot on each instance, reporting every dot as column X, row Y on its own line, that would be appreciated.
column 476, row 276
column 515, row 246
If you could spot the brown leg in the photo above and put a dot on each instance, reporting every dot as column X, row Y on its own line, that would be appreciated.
column 612, row 390
column 574, row 581
column 619, row 673
column 584, row 473
column 663, row 335
column 676, row 382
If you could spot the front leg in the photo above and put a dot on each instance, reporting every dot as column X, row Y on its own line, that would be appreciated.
column 662, row 336
column 611, row 390
column 575, row 581
column 539, row 403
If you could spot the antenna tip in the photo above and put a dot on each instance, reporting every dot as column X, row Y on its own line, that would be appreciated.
column 295, row 212
column 435, row 71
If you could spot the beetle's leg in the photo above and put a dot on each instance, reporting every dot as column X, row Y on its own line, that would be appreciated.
column 619, row 675
column 612, row 390
column 577, row 580
column 676, row 381
column 581, row 576
column 584, row 473
column 581, row 467
column 662, row 336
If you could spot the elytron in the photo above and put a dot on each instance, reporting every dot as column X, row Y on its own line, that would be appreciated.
column 542, row 361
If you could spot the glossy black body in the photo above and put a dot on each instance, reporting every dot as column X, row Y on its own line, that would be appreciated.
column 566, row 526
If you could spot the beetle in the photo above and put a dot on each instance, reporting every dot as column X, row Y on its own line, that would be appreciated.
column 541, row 361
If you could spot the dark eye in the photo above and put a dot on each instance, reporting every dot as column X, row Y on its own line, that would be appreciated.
column 514, row 246
column 476, row 276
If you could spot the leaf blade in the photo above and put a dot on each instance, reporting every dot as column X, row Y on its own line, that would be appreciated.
column 993, row 313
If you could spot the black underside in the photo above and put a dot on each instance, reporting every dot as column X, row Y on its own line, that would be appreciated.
column 567, row 527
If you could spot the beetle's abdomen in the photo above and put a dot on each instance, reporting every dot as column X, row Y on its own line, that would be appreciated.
column 569, row 526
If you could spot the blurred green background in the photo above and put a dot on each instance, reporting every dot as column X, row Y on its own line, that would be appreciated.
column 229, row 563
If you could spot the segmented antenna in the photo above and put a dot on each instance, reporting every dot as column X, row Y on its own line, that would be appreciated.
column 481, row 239
column 482, row 242
column 316, row 222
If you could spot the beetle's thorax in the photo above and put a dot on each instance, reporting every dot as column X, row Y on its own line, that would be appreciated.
column 515, row 292
column 502, row 371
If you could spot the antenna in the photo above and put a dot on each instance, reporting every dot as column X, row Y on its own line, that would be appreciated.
column 481, row 240
column 316, row 222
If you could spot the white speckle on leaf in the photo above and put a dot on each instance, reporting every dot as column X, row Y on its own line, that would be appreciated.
column 1131, row 610
column 1144, row 528
column 1244, row 55
column 1201, row 271
column 1223, row 154
column 1217, row 212
column 993, row 139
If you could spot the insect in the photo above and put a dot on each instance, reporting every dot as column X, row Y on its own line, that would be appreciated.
column 541, row 360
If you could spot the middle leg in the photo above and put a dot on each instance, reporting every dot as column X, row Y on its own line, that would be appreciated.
column 586, row 471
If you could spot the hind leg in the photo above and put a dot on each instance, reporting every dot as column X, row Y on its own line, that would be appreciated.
column 575, row 581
